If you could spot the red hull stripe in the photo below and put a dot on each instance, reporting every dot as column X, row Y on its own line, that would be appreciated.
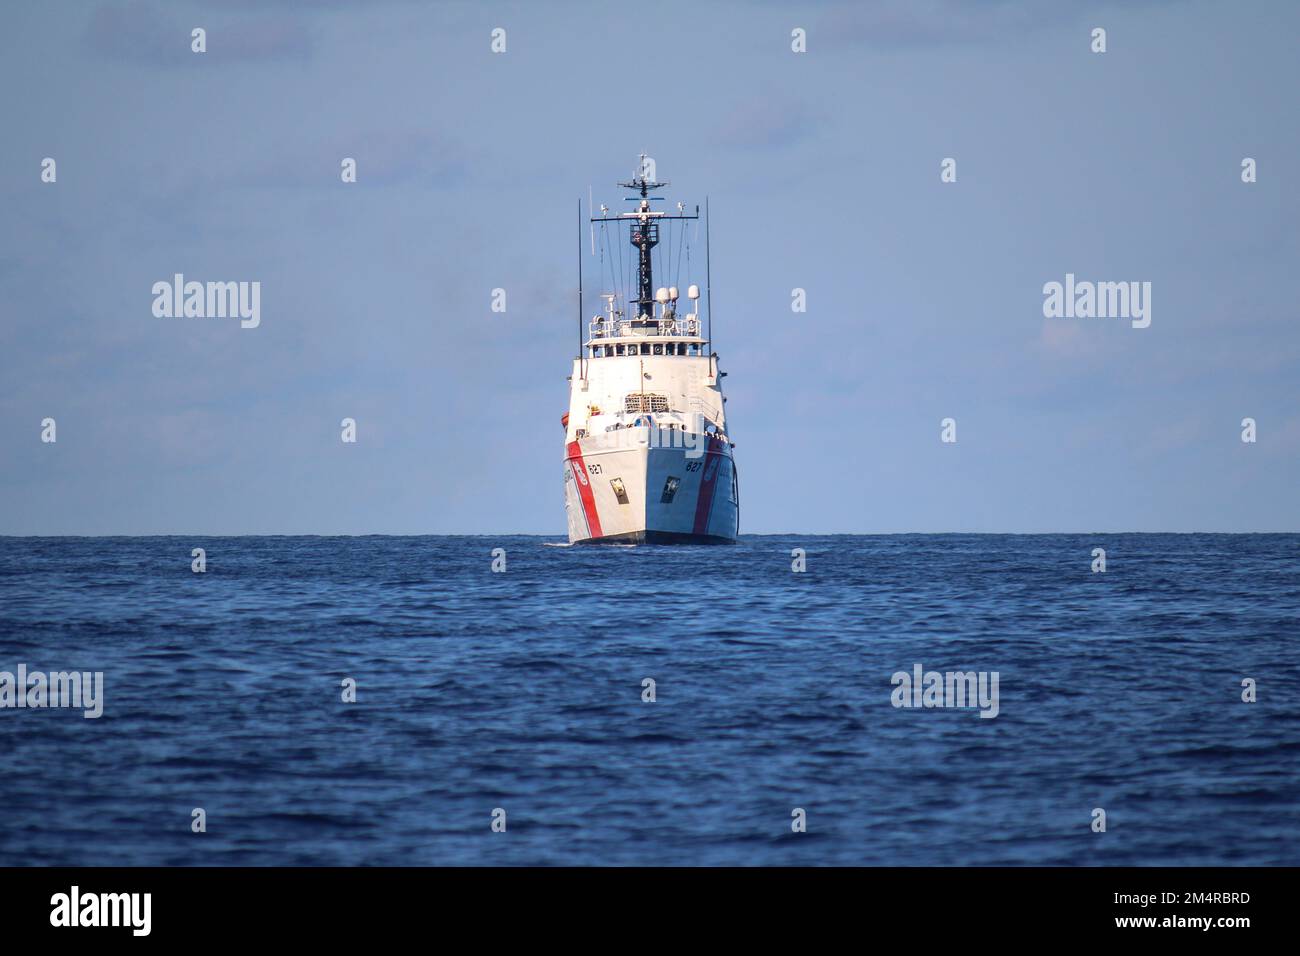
column 584, row 489
column 708, row 487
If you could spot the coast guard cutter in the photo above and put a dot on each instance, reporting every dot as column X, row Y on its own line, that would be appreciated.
column 648, row 456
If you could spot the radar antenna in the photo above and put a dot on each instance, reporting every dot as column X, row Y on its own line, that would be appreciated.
column 645, row 232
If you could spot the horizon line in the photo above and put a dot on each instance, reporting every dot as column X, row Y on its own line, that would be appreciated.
column 538, row 534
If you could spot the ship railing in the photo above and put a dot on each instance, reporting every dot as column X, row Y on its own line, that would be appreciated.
column 602, row 328
column 688, row 325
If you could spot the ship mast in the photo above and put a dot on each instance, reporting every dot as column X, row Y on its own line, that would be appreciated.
column 644, row 234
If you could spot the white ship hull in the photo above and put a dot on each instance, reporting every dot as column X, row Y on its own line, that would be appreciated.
column 630, row 485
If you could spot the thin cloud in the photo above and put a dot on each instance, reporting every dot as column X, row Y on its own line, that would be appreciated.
column 766, row 123
column 142, row 33
column 912, row 24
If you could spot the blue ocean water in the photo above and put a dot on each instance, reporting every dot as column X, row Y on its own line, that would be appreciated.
column 523, row 690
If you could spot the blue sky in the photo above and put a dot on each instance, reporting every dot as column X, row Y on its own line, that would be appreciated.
column 822, row 170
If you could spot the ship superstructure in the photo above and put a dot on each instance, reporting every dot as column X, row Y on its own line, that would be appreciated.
column 648, row 457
